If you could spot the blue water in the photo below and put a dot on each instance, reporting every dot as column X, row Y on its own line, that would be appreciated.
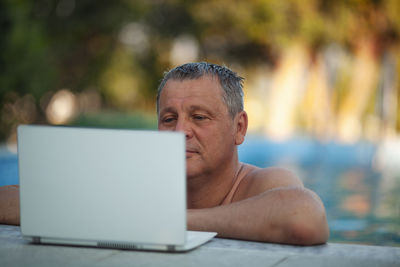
column 360, row 209
column 8, row 169
column 342, row 175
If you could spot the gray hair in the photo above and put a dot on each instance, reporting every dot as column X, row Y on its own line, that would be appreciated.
column 231, row 83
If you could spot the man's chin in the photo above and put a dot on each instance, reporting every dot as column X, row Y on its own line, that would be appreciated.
column 192, row 170
column 190, row 173
column 196, row 166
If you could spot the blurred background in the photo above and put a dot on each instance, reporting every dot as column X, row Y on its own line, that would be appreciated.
column 322, row 86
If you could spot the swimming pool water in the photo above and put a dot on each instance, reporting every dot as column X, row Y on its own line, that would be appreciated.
column 362, row 203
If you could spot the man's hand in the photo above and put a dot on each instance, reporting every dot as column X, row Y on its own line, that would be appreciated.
column 286, row 213
column 9, row 204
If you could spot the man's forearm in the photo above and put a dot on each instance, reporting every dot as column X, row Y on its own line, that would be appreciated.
column 9, row 205
column 282, row 215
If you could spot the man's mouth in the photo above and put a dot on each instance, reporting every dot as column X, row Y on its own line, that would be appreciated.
column 191, row 152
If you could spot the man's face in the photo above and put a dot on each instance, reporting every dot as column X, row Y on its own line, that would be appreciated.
column 195, row 107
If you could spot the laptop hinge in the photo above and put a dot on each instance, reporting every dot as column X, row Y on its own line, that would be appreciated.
column 36, row 239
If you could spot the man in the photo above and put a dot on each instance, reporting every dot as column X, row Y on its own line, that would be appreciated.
column 205, row 102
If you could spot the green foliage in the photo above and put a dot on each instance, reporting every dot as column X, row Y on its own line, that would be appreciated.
column 117, row 120
column 48, row 45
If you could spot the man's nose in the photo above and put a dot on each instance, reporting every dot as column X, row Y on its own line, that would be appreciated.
column 184, row 126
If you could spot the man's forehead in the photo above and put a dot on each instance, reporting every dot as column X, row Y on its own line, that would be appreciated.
column 204, row 91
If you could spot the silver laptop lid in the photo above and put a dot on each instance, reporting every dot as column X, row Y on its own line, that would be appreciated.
column 102, row 185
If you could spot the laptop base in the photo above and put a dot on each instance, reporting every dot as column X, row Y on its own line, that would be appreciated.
column 194, row 239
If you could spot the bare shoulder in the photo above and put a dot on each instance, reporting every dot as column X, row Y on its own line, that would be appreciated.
column 258, row 180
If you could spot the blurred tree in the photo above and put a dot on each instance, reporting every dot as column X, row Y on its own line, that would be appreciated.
column 121, row 48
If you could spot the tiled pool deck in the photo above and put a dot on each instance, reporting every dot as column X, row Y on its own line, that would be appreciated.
column 15, row 251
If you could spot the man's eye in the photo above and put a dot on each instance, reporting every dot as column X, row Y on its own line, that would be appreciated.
column 199, row 117
column 168, row 120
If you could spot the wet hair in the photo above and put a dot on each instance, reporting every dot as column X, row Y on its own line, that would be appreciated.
column 231, row 83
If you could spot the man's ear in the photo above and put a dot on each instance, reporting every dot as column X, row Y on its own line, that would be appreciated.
column 241, row 122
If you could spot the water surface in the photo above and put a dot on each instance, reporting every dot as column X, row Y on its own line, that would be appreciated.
column 362, row 201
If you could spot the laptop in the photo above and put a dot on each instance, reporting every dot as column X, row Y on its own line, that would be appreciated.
column 109, row 188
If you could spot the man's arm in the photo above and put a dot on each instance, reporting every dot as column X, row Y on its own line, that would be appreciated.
column 287, row 214
column 9, row 204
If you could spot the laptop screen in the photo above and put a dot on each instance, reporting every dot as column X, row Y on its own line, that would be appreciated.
column 102, row 184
